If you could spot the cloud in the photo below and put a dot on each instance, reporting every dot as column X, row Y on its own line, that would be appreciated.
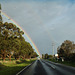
column 48, row 21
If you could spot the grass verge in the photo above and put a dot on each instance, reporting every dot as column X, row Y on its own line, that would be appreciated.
column 12, row 67
column 68, row 63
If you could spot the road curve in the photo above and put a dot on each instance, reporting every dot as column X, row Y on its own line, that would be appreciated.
column 42, row 67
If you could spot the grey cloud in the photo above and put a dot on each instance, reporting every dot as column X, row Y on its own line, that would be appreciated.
column 44, row 22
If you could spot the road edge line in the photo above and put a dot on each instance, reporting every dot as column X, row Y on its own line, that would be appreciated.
column 24, row 68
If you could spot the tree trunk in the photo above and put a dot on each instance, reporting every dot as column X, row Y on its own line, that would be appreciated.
column 23, row 57
column 3, row 54
column 9, row 57
column 3, row 57
column 18, row 57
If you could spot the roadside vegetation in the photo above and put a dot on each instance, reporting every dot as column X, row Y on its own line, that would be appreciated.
column 15, row 51
column 13, row 44
column 14, row 66
column 67, row 63
column 66, row 54
column 59, row 60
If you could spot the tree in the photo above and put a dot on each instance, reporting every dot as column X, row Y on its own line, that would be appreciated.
column 66, row 49
column 46, row 56
column 12, row 42
column 9, row 39
column 3, row 49
column 14, row 48
column 43, row 56
column 72, row 57
column 34, row 54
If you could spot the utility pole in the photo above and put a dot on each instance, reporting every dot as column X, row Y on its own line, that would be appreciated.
column 53, row 47
column 0, row 14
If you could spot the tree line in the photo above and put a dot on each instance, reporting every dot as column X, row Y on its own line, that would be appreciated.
column 67, row 50
column 46, row 56
column 13, row 44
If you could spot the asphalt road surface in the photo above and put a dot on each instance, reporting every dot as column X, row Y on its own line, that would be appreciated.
column 42, row 67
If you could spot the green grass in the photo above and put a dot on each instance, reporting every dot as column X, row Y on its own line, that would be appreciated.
column 12, row 67
column 68, row 63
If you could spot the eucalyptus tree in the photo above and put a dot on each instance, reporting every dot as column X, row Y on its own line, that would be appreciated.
column 12, row 42
column 34, row 54
column 9, row 43
column 66, row 48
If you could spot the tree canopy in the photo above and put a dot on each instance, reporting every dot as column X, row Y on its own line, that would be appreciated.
column 12, row 42
column 66, row 49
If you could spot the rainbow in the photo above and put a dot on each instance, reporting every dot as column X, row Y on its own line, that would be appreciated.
column 26, row 35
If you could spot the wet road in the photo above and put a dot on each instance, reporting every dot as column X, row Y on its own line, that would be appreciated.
column 42, row 67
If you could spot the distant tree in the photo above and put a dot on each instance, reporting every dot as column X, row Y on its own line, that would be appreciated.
column 34, row 55
column 50, row 56
column 46, row 56
column 43, row 56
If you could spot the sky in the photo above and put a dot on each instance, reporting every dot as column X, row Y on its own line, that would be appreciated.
column 45, row 21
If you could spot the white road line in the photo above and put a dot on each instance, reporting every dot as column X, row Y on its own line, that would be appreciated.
column 51, row 65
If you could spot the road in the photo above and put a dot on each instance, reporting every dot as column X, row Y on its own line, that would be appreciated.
column 42, row 67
